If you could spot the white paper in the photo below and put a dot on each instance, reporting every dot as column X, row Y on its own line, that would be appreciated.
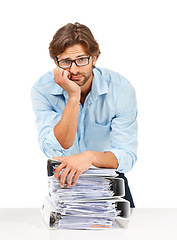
column 91, row 204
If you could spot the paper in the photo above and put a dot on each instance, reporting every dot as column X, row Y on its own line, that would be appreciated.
column 86, row 188
column 55, row 219
column 94, row 203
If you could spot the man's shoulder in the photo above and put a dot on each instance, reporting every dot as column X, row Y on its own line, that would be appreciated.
column 112, row 77
column 45, row 81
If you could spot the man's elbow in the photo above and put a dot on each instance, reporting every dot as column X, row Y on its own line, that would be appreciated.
column 66, row 145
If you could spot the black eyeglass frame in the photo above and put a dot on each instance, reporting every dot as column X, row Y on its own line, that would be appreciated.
column 71, row 61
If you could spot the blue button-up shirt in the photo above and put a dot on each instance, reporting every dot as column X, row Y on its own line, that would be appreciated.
column 107, row 121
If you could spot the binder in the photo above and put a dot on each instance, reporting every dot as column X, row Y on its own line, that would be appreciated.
column 85, row 208
column 52, row 217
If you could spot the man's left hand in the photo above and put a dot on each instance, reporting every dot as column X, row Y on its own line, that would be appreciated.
column 73, row 167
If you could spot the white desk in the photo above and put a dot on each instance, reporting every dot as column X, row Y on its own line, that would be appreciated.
column 143, row 224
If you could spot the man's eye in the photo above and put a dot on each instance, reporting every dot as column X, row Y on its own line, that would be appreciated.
column 65, row 62
column 80, row 60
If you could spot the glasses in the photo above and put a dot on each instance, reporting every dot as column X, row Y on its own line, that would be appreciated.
column 80, row 62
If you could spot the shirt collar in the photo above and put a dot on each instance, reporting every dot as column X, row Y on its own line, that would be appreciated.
column 99, row 85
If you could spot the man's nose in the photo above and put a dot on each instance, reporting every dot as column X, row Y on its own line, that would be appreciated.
column 74, row 69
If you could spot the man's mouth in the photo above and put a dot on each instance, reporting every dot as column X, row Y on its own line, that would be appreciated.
column 76, row 78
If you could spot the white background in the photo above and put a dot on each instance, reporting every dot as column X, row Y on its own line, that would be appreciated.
column 138, row 39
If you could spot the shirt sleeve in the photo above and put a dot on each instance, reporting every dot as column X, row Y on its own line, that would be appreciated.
column 46, row 118
column 124, row 130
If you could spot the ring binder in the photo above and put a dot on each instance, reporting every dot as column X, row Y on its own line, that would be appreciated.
column 94, row 203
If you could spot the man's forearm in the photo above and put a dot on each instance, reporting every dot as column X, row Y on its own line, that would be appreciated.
column 75, row 165
column 103, row 159
column 65, row 130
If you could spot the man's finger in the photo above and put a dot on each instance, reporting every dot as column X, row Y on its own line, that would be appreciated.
column 58, row 170
column 76, row 177
column 63, row 176
column 58, row 73
column 58, row 158
column 69, row 178
column 66, row 74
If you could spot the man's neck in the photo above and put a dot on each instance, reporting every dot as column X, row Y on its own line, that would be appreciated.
column 83, row 97
column 85, row 90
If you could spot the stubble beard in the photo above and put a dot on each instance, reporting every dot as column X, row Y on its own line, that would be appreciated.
column 83, row 82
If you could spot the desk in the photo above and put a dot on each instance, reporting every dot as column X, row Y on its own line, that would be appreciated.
column 27, row 224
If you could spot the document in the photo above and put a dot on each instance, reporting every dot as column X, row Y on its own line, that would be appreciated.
column 94, row 203
column 85, row 189
column 55, row 219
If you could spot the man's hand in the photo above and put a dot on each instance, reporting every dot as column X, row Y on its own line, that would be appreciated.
column 62, row 79
column 74, row 166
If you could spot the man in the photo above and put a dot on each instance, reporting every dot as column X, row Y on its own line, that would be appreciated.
column 84, row 115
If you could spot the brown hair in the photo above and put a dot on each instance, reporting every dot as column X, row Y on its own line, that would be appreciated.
column 70, row 35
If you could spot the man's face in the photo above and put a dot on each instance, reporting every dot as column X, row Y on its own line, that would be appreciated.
column 80, row 75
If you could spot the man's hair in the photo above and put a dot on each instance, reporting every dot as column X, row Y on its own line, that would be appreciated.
column 72, row 34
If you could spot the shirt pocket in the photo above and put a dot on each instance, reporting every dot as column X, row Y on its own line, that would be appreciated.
column 98, row 136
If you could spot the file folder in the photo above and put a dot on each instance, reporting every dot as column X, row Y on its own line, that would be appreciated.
column 94, row 203
column 52, row 217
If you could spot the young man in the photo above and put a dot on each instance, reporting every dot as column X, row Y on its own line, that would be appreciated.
column 84, row 115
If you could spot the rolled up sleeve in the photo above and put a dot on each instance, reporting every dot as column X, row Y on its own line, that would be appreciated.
column 123, row 138
column 46, row 118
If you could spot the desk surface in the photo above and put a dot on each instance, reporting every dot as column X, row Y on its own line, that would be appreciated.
column 143, row 224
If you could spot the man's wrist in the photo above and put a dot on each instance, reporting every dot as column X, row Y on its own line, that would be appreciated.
column 102, row 159
column 89, row 155
column 74, row 98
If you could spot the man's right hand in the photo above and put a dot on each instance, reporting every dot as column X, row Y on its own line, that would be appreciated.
column 61, row 77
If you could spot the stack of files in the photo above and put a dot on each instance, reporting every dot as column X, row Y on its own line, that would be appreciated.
column 94, row 203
